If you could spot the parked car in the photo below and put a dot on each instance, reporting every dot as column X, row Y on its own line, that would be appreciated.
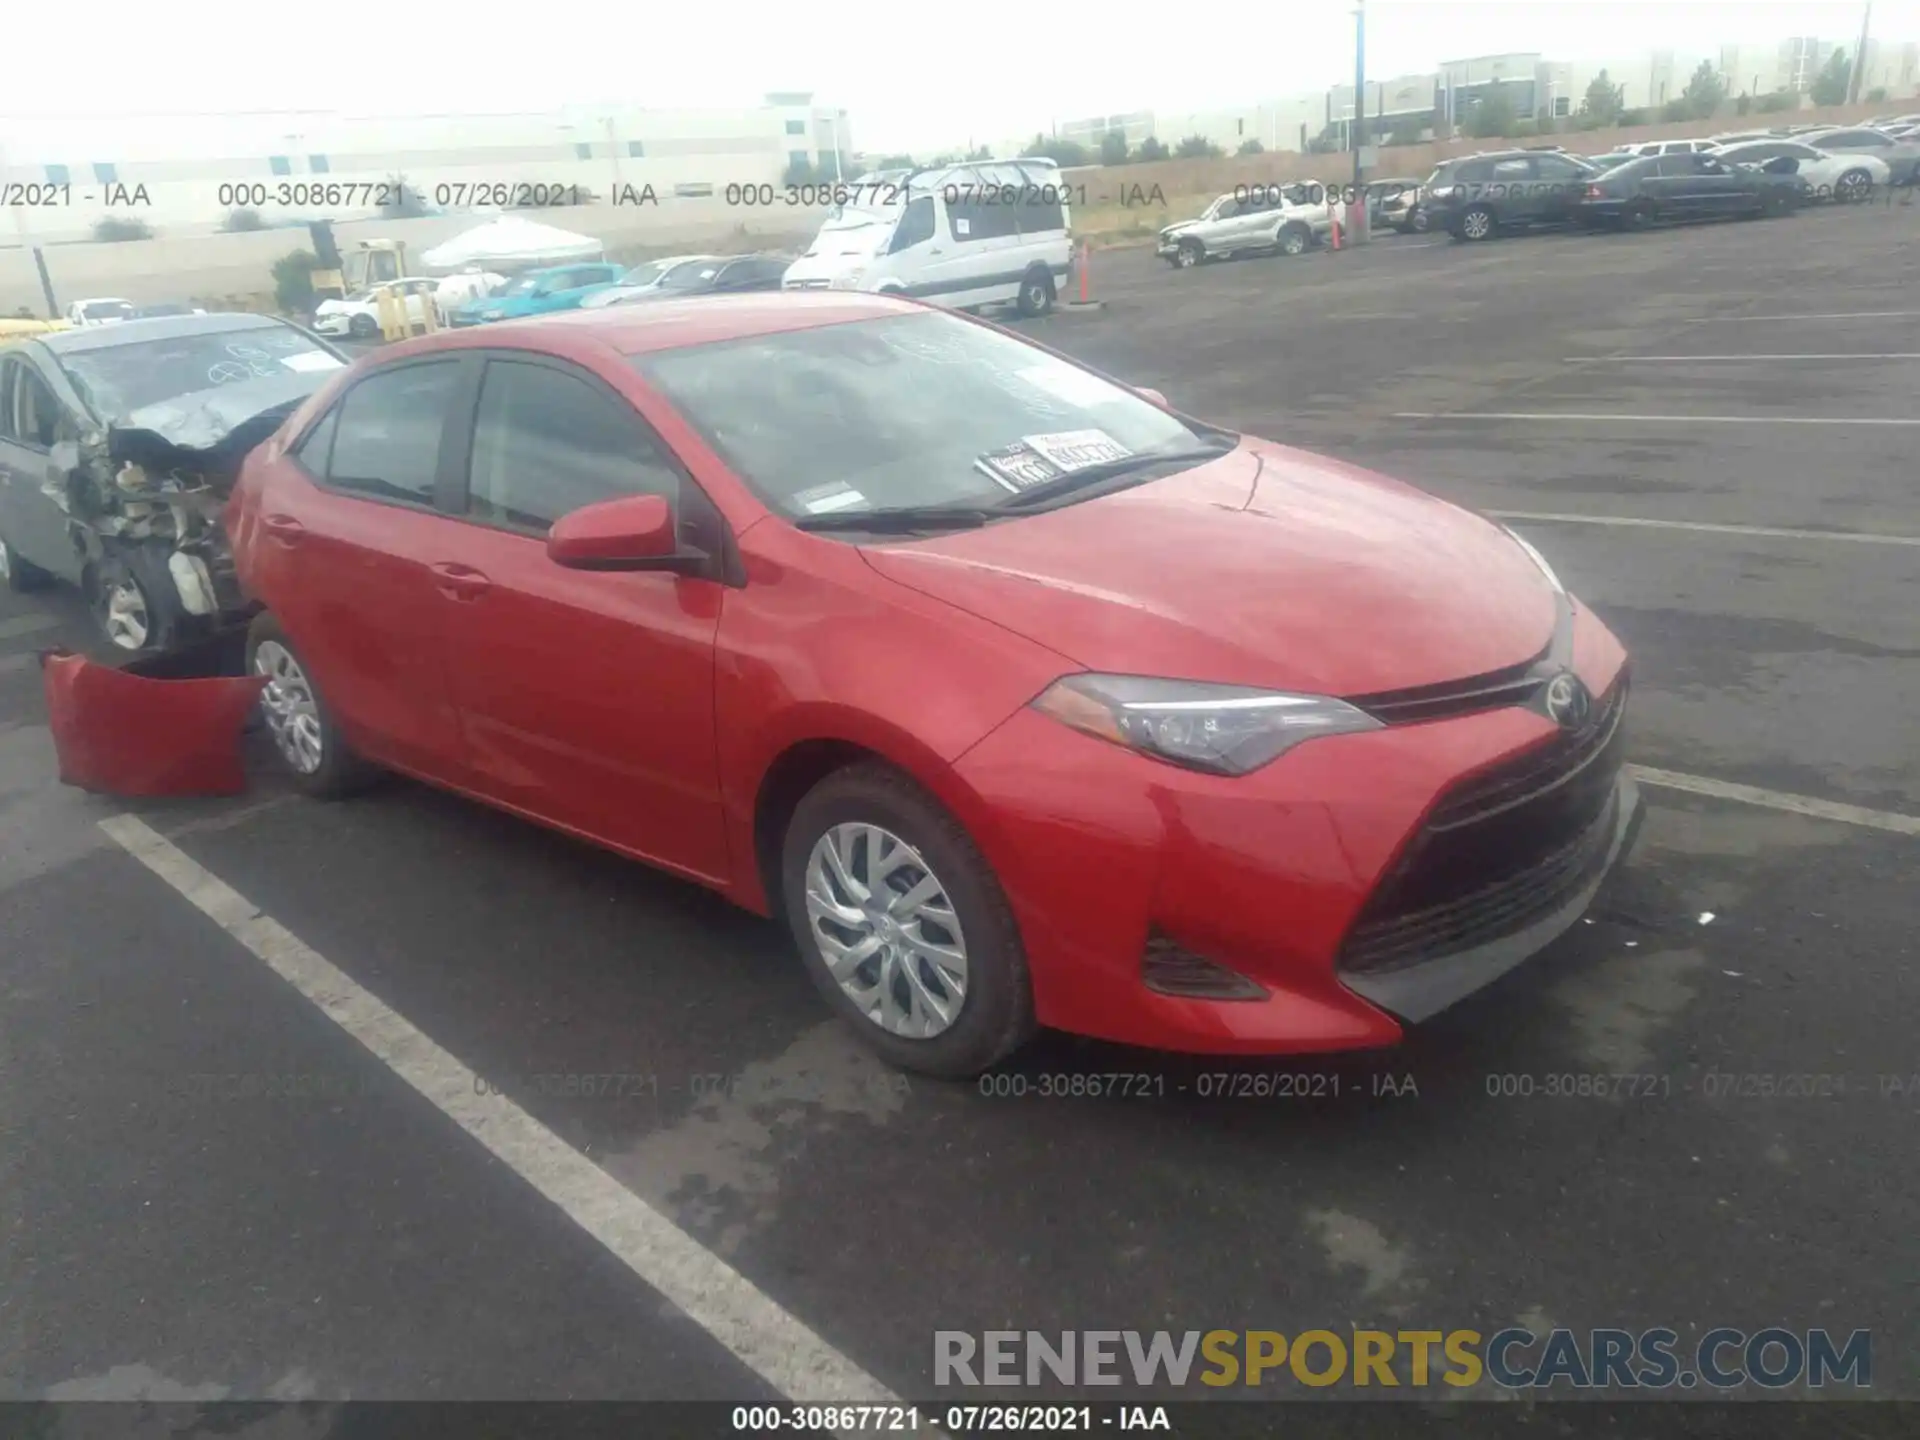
column 539, row 292
column 720, row 275
column 1380, row 193
column 117, row 448
column 358, row 314
column 1661, row 189
column 1671, row 147
column 1405, row 211
column 1480, row 196
column 1022, row 697
column 163, row 308
column 1902, row 157
column 1609, row 159
column 104, row 310
column 1264, row 219
column 1844, row 178
column 642, row 278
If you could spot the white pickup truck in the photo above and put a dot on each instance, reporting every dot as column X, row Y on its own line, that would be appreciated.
column 1267, row 219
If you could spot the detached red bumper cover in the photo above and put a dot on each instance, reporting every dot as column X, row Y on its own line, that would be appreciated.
column 120, row 732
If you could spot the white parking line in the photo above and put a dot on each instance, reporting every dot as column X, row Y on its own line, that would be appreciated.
column 1726, row 359
column 772, row 1343
column 1565, row 417
column 26, row 625
column 1841, row 315
column 1858, row 537
column 1890, row 820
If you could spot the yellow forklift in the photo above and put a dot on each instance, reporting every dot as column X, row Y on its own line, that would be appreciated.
column 369, row 265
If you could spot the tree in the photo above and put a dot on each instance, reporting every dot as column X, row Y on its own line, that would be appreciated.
column 1151, row 149
column 1704, row 93
column 293, row 281
column 1113, row 148
column 243, row 219
column 1775, row 101
column 1604, row 100
column 1064, row 153
column 980, row 152
column 1251, row 147
column 1830, row 85
column 122, row 227
column 895, row 162
column 1492, row 116
column 1742, row 104
column 1196, row 147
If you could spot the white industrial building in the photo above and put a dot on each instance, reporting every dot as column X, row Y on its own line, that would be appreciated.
column 452, row 161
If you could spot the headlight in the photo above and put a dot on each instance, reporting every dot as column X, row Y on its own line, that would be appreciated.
column 1538, row 559
column 1221, row 729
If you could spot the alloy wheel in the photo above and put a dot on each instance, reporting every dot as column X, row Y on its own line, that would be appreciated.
column 1189, row 257
column 292, row 711
column 1478, row 224
column 886, row 930
column 123, row 615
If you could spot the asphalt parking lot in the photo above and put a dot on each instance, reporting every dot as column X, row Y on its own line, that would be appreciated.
column 1720, row 424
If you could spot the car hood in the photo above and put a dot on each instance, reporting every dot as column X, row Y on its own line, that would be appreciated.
column 504, row 305
column 1268, row 567
column 210, row 429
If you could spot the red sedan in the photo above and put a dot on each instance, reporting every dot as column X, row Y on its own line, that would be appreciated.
column 1025, row 699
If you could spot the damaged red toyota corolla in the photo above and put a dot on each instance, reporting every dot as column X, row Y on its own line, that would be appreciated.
column 1024, row 699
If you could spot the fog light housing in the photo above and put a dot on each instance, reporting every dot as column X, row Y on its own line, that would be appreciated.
column 1169, row 968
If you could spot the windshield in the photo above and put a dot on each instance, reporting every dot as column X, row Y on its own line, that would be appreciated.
column 126, row 378
column 106, row 310
column 525, row 285
column 909, row 410
column 645, row 274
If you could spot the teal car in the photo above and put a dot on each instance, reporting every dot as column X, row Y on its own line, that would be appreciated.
column 539, row 292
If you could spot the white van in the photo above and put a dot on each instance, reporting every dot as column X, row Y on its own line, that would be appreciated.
column 980, row 233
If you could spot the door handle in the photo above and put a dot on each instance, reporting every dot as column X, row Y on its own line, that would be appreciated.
column 460, row 582
column 283, row 528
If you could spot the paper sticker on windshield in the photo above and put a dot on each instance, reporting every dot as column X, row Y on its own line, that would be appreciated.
column 1019, row 467
column 312, row 360
column 1063, row 382
column 834, row 496
column 1077, row 449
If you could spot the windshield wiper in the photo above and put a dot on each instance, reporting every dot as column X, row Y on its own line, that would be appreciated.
column 899, row 518
column 1112, row 469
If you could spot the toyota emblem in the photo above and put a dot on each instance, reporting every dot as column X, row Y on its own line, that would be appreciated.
column 1568, row 703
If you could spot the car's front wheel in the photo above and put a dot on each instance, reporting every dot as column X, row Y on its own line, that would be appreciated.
column 1189, row 254
column 134, row 607
column 308, row 742
column 363, row 327
column 1295, row 239
column 1036, row 293
column 903, row 926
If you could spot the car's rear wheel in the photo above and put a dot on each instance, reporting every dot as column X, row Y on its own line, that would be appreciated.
column 1189, row 254
column 1478, row 224
column 1421, row 222
column 1853, row 187
column 305, row 737
column 17, row 574
column 1294, row 240
column 903, row 925
column 1036, row 293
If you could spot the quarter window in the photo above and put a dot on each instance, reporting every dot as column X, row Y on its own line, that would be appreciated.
column 546, row 443
column 387, row 440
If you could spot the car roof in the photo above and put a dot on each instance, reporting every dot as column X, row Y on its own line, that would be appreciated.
column 160, row 327
column 666, row 324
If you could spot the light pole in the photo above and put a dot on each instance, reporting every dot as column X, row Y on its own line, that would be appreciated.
column 1859, row 58
column 1359, row 133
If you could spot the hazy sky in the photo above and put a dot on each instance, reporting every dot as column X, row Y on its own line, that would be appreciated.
column 1019, row 67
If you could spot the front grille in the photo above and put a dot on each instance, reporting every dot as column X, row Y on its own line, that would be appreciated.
column 1514, row 685
column 1499, row 850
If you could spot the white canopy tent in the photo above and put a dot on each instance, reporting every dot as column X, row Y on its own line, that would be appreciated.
column 512, row 241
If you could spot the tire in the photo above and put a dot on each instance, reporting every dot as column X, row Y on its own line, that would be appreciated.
column 363, row 327
column 1422, row 222
column 1036, row 293
column 1853, row 187
column 292, row 704
column 994, row 1013
column 1190, row 254
column 1479, row 223
column 1294, row 239
column 134, row 606
column 1637, row 216
column 18, row 575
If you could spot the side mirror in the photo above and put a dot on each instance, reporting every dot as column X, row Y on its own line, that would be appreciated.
column 635, row 532
column 1148, row 393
